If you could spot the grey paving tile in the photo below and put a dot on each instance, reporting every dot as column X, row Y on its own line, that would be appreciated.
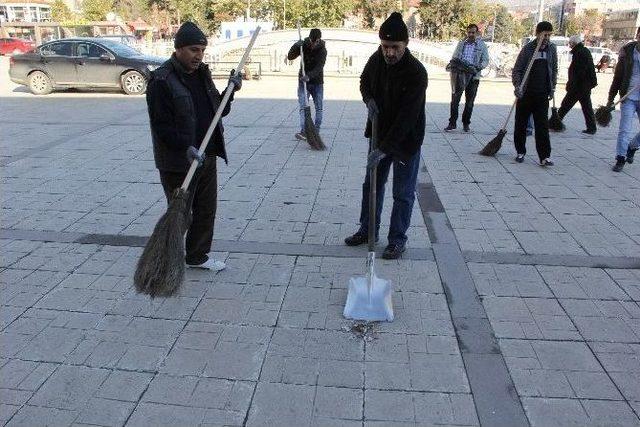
column 281, row 404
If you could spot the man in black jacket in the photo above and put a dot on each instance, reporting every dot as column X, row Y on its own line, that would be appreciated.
column 626, row 82
column 534, row 97
column 582, row 78
column 315, row 55
column 393, row 86
column 182, row 100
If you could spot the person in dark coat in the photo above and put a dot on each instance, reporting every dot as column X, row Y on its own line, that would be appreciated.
column 582, row 78
column 393, row 86
column 626, row 82
column 315, row 55
column 534, row 97
column 181, row 101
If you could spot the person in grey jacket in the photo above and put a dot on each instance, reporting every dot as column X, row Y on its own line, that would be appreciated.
column 473, row 51
column 533, row 97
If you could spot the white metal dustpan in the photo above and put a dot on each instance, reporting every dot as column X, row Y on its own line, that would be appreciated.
column 369, row 296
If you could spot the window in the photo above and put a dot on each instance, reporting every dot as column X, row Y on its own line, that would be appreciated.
column 56, row 49
column 90, row 50
column 227, row 34
column 239, row 33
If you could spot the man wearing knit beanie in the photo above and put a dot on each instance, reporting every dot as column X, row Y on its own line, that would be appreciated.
column 393, row 86
column 182, row 100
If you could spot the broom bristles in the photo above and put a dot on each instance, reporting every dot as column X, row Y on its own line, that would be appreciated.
column 310, row 131
column 160, row 269
column 493, row 146
column 555, row 123
column 603, row 115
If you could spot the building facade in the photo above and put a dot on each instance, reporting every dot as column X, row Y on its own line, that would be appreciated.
column 622, row 24
column 31, row 11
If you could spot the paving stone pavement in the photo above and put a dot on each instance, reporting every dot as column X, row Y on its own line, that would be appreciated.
column 517, row 302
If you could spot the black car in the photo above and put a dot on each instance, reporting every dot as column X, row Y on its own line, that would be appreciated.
column 83, row 63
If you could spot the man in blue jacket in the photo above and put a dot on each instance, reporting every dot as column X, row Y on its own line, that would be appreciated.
column 472, row 51
column 534, row 97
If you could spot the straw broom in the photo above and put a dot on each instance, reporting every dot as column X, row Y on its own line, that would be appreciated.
column 493, row 146
column 603, row 112
column 160, row 269
column 310, row 131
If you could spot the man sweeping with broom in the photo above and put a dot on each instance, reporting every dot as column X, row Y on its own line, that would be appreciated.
column 540, row 58
column 626, row 81
column 311, row 75
column 393, row 86
column 182, row 100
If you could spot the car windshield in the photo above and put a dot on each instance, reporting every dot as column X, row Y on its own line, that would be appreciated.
column 120, row 48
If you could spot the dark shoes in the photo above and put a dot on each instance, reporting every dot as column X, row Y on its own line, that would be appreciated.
column 589, row 131
column 357, row 239
column 546, row 162
column 630, row 153
column 520, row 158
column 301, row 136
column 465, row 128
column 450, row 127
column 619, row 164
column 393, row 251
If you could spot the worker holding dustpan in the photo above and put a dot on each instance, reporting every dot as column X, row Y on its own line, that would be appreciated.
column 393, row 86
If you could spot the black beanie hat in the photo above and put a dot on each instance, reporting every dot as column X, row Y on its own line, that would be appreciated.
column 543, row 26
column 315, row 34
column 394, row 29
column 189, row 34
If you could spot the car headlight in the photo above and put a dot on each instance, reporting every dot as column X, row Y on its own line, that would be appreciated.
column 152, row 67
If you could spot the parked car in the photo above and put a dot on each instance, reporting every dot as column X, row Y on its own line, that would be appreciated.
column 83, row 63
column 598, row 52
column 121, row 38
column 14, row 46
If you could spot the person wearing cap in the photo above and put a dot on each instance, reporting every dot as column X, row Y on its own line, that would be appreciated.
column 315, row 55
column 582, row 78
column 536, row 93
column 473, row 52
column 182, row 100
column 626, row 82
column 393, row 85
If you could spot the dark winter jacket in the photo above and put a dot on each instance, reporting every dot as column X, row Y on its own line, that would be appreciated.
column 622, row 74
column 582, row 71
column 399, row 92
column 522, row 62
column 173, row 119
column 314, row 60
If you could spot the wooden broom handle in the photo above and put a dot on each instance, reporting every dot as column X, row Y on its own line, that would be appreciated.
column 524, row 79
column 304, row 84
column 218, row 115
column 626, row 95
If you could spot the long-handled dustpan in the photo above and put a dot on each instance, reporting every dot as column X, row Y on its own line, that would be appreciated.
column 369, row 296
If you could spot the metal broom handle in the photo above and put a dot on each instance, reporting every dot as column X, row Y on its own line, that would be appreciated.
column 218, row 115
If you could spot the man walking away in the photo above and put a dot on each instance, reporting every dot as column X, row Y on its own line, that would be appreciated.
column 393, row 86
column 473, row 52
column 536, row 93
column 582, row 78
column 182, row 100
column 626, row 80
column 315, row 55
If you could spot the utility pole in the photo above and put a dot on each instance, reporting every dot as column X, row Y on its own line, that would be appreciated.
column 284, row 14
column 493, row 32
column 540, row 10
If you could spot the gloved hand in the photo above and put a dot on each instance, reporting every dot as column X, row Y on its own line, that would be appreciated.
column 517, row 92
column 610, row 103
column 374, row 158
column 372, row 108
column 194, row 154
column 236, row 80
column 304, row 79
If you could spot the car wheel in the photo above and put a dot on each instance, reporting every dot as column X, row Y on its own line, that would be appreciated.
column 39, row 83
column 133, row 83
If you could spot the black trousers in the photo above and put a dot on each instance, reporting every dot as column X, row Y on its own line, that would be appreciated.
column 538, row 106
column 203, row 196
column 584, row 99
column 470, row 93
